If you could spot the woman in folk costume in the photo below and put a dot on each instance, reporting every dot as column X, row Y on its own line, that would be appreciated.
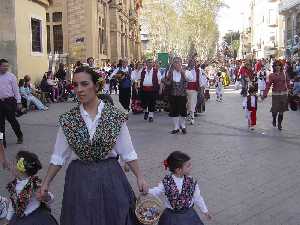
column 181, row 193
column 177, row 81
column 91, row 136
column 193, row 87
column 279, row 82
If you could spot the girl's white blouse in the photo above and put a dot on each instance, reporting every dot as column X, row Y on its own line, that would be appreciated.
column 63, row 153
column 197, row 198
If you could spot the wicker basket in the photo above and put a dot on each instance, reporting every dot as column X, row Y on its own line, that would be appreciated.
column 147, row 203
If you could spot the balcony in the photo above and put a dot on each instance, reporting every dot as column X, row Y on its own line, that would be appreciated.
column 286, row 5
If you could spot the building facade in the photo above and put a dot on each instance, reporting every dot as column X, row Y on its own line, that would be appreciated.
column 290, row 9
column 266, row 29
column 23, row 36
column 106, row 30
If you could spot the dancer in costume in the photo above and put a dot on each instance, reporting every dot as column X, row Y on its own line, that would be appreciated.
column 24, row 207
column 177, row 80
column 92, row 136
column 181, row 193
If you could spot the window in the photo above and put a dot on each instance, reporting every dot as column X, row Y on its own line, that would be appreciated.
column 58, row 39
column 36, row 35
column 48, row 40
column 57, row 17
column 289, row 28
column 298, row 24
column 47, row 17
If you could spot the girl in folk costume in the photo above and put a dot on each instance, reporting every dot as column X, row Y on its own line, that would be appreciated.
column 219, row 87
column 193, row 86
column 280, row 84
column 250, row 106
column 181, row 192
column 92, row 135
column 25, row 208
column 177, row 81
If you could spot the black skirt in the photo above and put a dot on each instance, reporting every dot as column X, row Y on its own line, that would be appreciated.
column 41, row 216
column 187, row 217
column 97, row 193
column 178, row 106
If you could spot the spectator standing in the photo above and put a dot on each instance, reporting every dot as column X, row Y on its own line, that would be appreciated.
column 10, row 100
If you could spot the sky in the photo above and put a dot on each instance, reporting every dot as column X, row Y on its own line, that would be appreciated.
column 232, row 17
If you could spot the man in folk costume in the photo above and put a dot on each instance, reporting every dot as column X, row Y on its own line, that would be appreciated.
column 192, row 89
column 150, row 82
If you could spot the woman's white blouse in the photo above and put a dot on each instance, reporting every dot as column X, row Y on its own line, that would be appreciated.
column 197, row 198
column 63, row 153
column 33, row 202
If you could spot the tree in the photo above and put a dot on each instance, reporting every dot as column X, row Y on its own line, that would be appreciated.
column 183, row 26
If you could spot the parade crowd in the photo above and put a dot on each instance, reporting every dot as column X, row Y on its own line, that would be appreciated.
column 93, row 139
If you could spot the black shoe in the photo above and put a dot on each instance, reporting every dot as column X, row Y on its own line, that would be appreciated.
column 274, row 122
column 279, row 126
column 174, row 131
column 183, row 130
column 146, row 116
column 20, row 140
column 151, row 120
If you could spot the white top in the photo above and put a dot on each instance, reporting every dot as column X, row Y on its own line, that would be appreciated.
column 192, row 77
column 1, row 136
column 177, row 75
column 136, row 75
column 124, row 69
column 148, row 77
column 197, row 198
column 63, row 153
column 33, row 202
column 252, row 102
column 203, row 79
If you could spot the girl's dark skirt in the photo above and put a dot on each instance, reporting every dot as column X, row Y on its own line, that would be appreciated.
column 97, row 193
column 178, row 106
column 187, row 217
column 41, row 216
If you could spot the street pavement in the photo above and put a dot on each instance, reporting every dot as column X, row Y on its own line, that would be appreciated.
column 246, row 178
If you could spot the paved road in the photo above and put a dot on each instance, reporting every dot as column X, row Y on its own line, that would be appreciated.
column 247, row 178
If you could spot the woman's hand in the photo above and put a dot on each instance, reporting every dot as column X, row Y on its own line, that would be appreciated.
column 142, row 185
column 42, row 193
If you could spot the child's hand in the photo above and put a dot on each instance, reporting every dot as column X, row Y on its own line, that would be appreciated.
column 208, row 216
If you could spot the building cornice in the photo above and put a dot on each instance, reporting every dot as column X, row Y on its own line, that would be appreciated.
column 45, row 3
column 287, row 5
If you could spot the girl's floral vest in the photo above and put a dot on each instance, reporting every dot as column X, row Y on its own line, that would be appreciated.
column 183, row 200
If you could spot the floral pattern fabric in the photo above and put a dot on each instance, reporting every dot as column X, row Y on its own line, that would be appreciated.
column 183, row 200
column 21, row 200
column 104, row 139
